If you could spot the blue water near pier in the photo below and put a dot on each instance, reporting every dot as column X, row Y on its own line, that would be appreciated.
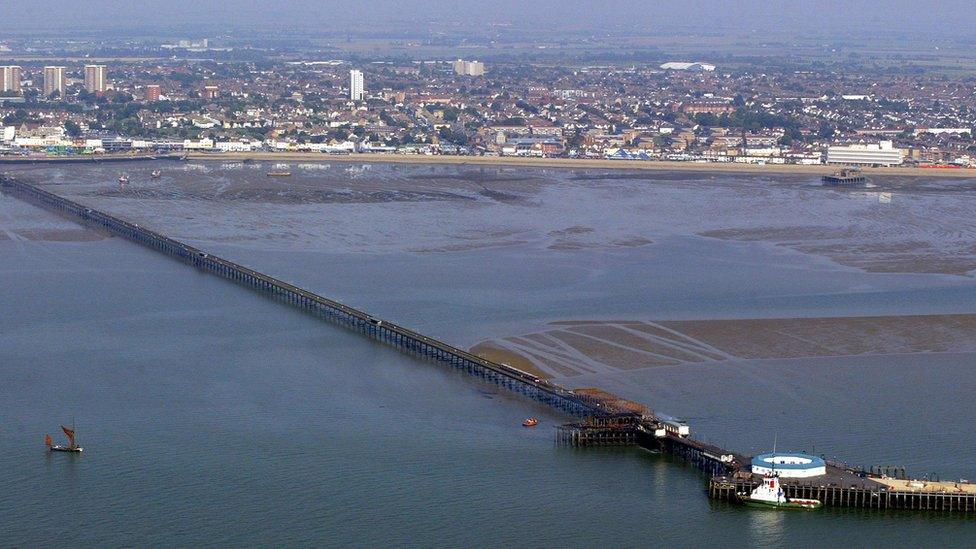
column 212, row 415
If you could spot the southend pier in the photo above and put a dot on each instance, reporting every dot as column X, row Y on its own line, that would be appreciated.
column 602, row 419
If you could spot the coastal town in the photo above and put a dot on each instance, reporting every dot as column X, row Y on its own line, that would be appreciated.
column 487, row 274
column 679, row 111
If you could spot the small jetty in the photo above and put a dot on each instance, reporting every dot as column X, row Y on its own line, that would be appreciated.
column 848, row 177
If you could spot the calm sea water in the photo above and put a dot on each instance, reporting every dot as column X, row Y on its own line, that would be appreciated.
column 212, row 415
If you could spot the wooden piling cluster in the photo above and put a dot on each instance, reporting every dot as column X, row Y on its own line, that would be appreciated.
column 615, row 430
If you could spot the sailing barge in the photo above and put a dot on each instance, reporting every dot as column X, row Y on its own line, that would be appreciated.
column 72, row 444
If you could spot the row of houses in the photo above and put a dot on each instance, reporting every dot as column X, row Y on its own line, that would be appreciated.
column 627, row 146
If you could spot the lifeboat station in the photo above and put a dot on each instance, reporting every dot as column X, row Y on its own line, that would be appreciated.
column 788, row 465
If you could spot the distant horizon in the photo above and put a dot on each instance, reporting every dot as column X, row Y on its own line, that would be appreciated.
column 825, row 18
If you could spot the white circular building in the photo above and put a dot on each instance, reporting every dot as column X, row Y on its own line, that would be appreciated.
column 788, row 465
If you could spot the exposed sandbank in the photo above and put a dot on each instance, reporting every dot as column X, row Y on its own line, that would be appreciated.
column 571, row 348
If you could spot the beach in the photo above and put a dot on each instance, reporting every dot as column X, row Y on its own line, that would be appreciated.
column 581, row 163
column 513, row 161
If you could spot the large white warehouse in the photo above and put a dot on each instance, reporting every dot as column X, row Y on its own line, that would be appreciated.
column 685, row 66
column 872, row 154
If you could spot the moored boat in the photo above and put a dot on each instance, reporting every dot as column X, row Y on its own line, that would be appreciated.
column 770, row 495
column 530, row 422
column 278, row 174
column 156, row 174
column 123, row 179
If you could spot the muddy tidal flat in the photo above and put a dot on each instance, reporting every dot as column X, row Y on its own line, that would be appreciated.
column 758, row 307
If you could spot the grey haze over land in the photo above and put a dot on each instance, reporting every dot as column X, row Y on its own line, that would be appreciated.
column 762, row 17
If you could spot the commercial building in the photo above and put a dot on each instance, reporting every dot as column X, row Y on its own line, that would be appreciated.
column 357, row 90
column 469, row 68
column 211, row 92
column 685, row 66
column 53, row 81
column 204, row 43
column 872, row 154
column 153, row 92
column 95, row 78
column 788, row 465
column 10, row 79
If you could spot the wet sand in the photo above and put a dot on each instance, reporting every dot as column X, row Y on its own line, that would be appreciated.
column 60, row 235
column 605, row 347
column 923, row 225
column 577, row 163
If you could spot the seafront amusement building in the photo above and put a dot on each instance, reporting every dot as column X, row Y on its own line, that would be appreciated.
column 879, row 154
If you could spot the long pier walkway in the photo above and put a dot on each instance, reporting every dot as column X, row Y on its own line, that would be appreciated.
column 399, row 337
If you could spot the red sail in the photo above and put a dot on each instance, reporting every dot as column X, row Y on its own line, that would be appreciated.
column 47, row 441
column 70, row 433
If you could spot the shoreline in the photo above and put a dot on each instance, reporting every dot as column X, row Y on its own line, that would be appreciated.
column 579, row 163
column 508, row 161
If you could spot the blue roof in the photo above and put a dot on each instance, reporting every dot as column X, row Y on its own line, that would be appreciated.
column 814, row 461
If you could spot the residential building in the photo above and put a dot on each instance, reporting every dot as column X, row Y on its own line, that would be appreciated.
column 357, row 90
column 10, row 79
column 95, row 78
column 872, row 154
column 53, row 81
column 211, row 92
column 469, row 68
column 713, row 107
column 152, row 92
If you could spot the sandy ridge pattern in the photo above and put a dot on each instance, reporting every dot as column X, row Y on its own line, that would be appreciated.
column 572, row 348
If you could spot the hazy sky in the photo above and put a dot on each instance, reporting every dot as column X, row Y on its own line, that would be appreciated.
column 844, row 16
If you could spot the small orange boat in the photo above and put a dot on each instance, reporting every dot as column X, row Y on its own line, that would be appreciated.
column 530, row 422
